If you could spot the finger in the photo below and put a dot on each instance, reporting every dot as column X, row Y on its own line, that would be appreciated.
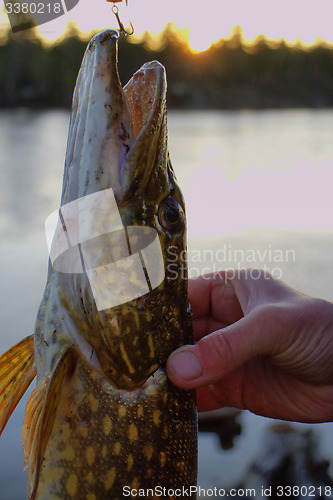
column 255, row 287
column 199, row 291
column 206, row 399
column 225, row 393
column 266, row 390
column 223, row 351
column 205, row 325
column 212, row 296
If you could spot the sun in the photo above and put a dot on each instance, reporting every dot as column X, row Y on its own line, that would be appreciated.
column 197, row 43
column 196, row 38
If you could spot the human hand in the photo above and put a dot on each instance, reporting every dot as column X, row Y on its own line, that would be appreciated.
column 260, row 345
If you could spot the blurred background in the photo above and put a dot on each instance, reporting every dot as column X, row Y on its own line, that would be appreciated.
column 250, row 96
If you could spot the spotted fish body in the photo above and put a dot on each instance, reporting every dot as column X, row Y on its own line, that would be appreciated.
column 104, row 416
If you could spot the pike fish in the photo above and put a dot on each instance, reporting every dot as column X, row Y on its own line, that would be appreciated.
column 104, row 421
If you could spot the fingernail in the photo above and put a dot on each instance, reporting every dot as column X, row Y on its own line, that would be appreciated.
column 186, row 365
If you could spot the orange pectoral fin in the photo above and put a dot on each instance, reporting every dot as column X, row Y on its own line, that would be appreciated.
column 40, row 415
column 17, row 371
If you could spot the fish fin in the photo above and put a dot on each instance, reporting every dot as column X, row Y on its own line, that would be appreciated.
column 17, row 371
column 40, row 415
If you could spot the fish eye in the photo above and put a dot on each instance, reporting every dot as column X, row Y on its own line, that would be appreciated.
column 171, row 215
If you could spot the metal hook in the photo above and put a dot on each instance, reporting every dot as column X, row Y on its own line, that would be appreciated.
column 122, row 29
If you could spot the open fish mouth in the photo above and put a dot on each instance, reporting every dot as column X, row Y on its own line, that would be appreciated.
column 113, row 138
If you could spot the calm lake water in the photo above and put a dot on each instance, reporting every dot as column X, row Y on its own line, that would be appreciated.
column 258, row 188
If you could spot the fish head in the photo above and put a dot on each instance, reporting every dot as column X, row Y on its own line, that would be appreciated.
column 129, row 301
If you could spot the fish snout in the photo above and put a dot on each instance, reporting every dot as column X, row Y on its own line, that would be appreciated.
column 102, row 38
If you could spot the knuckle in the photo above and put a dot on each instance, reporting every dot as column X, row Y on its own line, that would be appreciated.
column 222, row 349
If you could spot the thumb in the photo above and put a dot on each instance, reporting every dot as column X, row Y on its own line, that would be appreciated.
column 221, row 352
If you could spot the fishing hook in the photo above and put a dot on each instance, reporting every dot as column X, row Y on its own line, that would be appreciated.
column 115, row 10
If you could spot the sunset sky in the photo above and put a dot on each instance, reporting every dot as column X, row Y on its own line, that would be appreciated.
column 206, row 22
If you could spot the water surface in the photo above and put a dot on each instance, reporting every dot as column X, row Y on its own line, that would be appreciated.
column 257, row 184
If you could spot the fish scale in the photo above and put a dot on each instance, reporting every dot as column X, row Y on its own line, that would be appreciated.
column 104, row 416
column 113, row 437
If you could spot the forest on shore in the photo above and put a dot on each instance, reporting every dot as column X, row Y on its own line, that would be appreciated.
column 229, row 75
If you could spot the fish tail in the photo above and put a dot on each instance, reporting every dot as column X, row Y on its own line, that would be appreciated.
column 17, row 371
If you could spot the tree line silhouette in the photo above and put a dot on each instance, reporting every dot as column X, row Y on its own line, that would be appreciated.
column 229, row 75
